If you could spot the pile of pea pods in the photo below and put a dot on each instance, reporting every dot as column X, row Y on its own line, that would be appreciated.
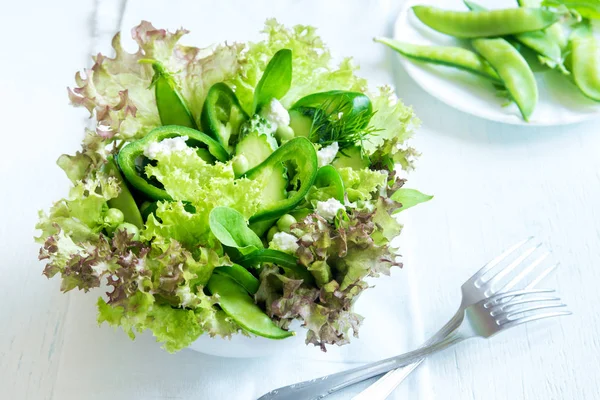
column 508, row 45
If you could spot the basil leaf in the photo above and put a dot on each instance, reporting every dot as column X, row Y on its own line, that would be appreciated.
column 231, row 229
column 409, row 198
column 276, row 80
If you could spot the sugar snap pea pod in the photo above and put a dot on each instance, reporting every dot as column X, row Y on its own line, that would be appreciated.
column 299, row 151
column 241, row 275
column 486, row 23
column 514, row 71
column 222, row 115
column 555, row 31
column 171, row 105
column 539, row 41
column 240, row 307
column 286, row 261
column 456, row 57
column 124, row 201
column 130, row 156
column 585, row 61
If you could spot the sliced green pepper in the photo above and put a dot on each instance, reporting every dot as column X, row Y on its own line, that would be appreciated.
column 222, row 115
column 132, row 154
column 298, row 151
column 241, row 275
column 279, row 258
column 124, row 201
column 329, row 179
column 240, row 307
column 171, row 105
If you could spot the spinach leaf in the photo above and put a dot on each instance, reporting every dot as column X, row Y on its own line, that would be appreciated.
column 276, row 80
column 231, row 229
column 409, row 198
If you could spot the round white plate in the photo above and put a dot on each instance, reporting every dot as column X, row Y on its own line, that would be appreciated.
column 560, row 102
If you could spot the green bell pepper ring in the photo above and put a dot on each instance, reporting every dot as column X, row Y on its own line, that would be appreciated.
column 299, row 151
column 286, row 261
column 241, row 275
column 124, row 201
column 171, row 105
column 328, row 177
column 130, row 155
column 240, row 307
column 222, row 115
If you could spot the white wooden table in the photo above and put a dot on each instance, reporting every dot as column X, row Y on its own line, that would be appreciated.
column 493, row 185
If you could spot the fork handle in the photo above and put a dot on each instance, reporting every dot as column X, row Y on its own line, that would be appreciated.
column 381, row 389
column 318, row 388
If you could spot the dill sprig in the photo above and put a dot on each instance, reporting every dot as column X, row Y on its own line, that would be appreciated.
column 338, row 121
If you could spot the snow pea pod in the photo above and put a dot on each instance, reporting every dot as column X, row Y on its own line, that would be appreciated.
column 555, row 31
column 286, row 261
column 124, row 201
column 241, row 275
column 171, row 105
column 539, row 41
column 240, row 307
column 585, row 61
column 222, row 115
column 455, row 57
column 514, row 71
column 478, row 24
column 130, row 156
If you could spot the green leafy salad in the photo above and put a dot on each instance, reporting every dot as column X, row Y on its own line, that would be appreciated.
column 230, row 190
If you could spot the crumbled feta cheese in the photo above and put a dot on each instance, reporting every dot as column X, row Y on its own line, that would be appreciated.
column 327, row 154
column 167, row 146
column 275, row 113
column 329, row 209
column 285, row 242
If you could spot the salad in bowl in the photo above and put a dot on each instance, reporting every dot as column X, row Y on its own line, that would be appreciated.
column 230, row 190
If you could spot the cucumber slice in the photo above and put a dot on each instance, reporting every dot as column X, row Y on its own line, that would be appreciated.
column 255, row 148
column 351, row 158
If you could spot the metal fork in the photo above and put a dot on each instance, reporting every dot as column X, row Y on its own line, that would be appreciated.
column 483, row 319
column 478, row 287
column 483, row 284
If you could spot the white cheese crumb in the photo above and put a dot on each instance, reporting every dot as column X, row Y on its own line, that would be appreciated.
column 167, row 146
column 285, row 242
column 327, row 154
column 329, row 209
column 275, row 113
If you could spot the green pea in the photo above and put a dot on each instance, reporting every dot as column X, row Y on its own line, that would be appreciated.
column 284, row 133
column 240, row 165
column 456, row 57
column 171, row 105
column 513, row 70
column 486, row 23
column 285, row 222
column 240, row 307
column 272, row 231
column 113, row 217
column 130, row 229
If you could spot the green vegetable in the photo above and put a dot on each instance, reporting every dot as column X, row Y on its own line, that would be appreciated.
column 352, row 157
column 337, row 116
column 113, row 218
column 256, row 145
column 238, row 305
column 285, row 222
column 486, row 23
column 455, row 57
column 409, row 198
column 222, row 115
column 546, row 45
column 231, row 229
column 301, row 153
column 276, row 80
column 585, row 61
column 124, row 201
column 514, row 71
column 130, row 229
column 585, row 8
column 330, row 182
column 171, row 105
column 241, row 276
column 130, row 154
column 286, row 261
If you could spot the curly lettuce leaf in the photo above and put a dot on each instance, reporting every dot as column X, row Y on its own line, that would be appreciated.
column 362, row 183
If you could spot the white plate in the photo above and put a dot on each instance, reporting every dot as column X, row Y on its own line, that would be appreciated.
column 560, row 100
